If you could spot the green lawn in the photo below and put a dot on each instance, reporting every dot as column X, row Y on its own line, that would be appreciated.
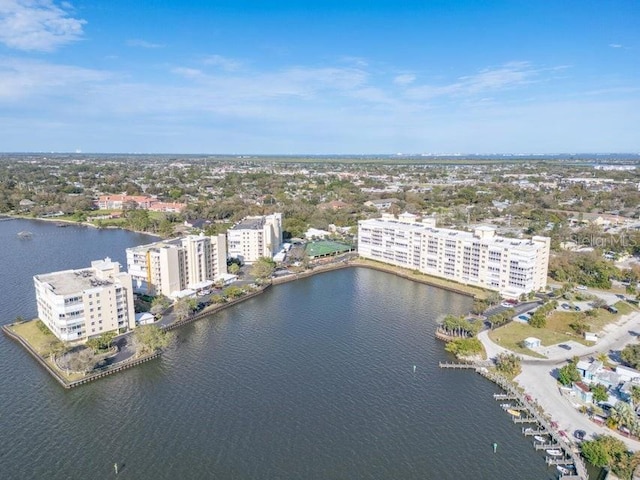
column 557, row 330
column 30, row 332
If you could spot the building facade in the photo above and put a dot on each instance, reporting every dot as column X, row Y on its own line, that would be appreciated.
column 168, row 267
column 255, row 237
column 79, row 304
column 479, row 258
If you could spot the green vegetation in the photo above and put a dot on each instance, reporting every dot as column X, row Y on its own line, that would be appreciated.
column 508, row 364
column 150, row 339
column 459, row 326
column 588, row 269
column 631, row 355
column 465, row 347
column 102, row 343
column 501, row 318
column 568, row 374
column 608, row 451
column 263, row 268
column 599, row 393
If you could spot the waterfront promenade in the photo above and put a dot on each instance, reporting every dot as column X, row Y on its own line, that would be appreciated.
column 538, row 379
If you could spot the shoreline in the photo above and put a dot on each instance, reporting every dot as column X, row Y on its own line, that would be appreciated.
column 537, row 380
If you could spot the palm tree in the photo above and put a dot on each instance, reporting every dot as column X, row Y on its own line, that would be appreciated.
column 602, row 357
column 635, row 395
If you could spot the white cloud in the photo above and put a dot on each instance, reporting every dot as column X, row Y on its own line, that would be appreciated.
column 187, row 72
column 136, row 42
column 404, row 79
column 38, row 25
column 615, row 45
column 21, row 78
column 224, row 63
column 491, row 79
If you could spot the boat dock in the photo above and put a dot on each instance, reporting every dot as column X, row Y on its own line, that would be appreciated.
column 532, row 414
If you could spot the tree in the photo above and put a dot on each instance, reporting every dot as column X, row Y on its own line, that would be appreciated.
column 538, row 319
column 233, row 292
column 568, row 374
column 604, row 451
column 150, row 339
column 101, row 343
column 234, row 268
column 263, row 268
column 159, row 304
column 631, row 355
column 508, row 364
column 184, row 307
column 599, row 392
column 635, row 395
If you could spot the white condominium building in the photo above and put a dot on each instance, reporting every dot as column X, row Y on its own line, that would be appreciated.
column 509, row 266
column 170, row 266
column 79, row 304
column 255, row 237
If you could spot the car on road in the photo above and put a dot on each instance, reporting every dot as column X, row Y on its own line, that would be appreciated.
column 581, row 287
column 506, row 305
column 580, row 434
column 576, row 308
column 565, row 346
column 566, row 306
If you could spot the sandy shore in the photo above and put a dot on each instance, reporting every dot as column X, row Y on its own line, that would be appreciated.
column 537, row 375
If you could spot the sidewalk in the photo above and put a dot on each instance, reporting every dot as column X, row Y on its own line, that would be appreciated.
column 538, row 380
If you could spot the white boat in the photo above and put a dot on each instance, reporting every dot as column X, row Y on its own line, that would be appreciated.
column 555, row 452
column 567, row 470
column 539, row 438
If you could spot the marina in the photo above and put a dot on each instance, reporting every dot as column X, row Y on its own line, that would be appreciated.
column 558, row 452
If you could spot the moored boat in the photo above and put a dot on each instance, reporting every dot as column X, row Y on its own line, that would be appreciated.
column 555, row 452
column 539, row 438
column 513, row 412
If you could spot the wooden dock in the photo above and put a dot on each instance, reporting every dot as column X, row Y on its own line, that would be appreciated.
column 545, row 427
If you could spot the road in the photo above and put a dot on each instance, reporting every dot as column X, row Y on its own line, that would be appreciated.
column 537, row 377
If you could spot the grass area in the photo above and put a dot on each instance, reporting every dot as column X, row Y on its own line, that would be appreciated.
column 557, row 330
column 30, row 332
column 511, row 335
column 421, row 277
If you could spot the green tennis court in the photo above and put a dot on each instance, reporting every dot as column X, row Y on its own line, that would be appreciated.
column 325, row 248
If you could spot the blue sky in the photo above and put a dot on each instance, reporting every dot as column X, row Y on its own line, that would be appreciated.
column 320, row 76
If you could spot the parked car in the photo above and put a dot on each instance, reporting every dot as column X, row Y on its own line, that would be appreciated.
column 566, row 306
column 523, row 317
column 565, row 346
column 581, row 287
column 580, row 434
column 611, row 309
column 576, row 308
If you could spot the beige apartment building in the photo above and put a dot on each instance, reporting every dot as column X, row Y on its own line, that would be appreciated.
column 79, row 304
column 171, row 266
column 480, row 258
column 255, row 237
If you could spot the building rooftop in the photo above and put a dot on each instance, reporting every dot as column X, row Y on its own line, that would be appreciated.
column 68, row 282
column 450, row 233
column 249, row 223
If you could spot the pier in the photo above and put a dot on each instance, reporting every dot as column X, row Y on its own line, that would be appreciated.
column 556, row 441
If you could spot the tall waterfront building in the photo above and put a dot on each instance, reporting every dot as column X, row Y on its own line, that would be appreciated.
column 479, row 258
column 255, row 237
column 170, row 266
column 79, row 304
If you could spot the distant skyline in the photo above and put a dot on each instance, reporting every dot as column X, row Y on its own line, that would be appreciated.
column 320, row 76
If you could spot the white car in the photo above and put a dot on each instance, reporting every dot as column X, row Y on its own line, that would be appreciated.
column 581, row 287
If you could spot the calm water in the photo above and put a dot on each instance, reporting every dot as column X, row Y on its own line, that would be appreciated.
column 312, row 380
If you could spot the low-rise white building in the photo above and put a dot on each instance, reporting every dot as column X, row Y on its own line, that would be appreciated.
column 79, row 304
column 479, row 258
column 255, row 237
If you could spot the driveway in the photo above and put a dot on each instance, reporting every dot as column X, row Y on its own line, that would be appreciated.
column 538, row 375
